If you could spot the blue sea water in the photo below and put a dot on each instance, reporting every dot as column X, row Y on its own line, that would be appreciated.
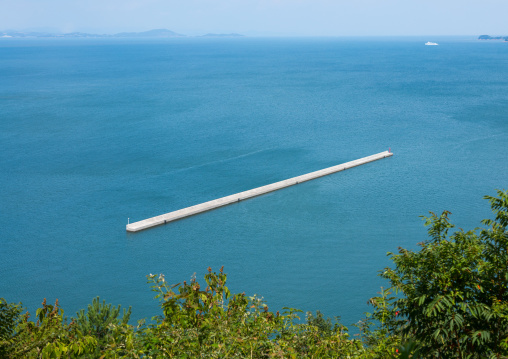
column 93, row 132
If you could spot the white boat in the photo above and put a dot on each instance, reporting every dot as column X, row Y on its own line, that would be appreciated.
column 431, row 43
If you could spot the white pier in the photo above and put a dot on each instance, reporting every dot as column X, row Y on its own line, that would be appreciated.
column 216, row 203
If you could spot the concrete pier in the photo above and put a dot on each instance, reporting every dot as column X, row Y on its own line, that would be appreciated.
column 216, row 203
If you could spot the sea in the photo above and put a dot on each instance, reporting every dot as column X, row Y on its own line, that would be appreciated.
column 96, row 133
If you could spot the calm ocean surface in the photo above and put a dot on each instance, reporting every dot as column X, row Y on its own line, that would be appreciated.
column 93, row 132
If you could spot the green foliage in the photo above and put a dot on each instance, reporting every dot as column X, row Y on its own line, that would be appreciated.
column 453, row 291
column 323, row 325
column 376, row 330
column 10, row 316
column 97, row 319
column 101, row 321
column 213, row 323
column 49, row 336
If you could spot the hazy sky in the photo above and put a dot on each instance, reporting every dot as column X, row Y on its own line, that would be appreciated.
column 262, row 17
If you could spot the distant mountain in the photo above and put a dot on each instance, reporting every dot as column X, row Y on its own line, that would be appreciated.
column 157, row 33
column 80, row 34
column 488, row 37
column 222, row 35
column 150, row 33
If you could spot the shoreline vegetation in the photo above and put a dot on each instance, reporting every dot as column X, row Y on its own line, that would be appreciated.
column 449, row 299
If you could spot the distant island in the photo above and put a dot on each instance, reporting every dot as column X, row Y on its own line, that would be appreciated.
column 488, row 37
column 156, row 33
column 150, row 33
